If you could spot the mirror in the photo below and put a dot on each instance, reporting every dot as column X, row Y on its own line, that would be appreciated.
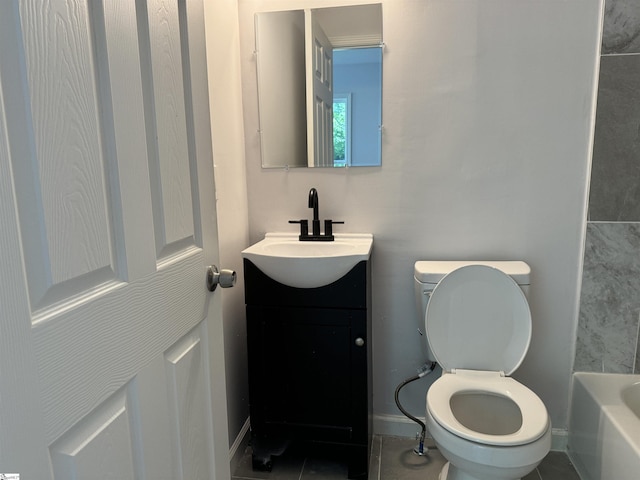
column 319, row 77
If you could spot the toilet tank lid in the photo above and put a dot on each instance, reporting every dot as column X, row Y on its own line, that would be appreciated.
column 432, row 271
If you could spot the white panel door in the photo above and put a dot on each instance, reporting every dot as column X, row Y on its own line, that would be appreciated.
column 319, row 64
column 111, row 361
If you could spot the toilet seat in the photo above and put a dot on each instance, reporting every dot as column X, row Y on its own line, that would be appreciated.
column 535, row 420
column 478, row 319
column 478, row 325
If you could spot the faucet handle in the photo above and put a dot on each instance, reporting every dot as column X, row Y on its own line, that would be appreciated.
column 328, row 227
column 304, row 227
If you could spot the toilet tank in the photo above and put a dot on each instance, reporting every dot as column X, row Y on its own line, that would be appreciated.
column 427, row 274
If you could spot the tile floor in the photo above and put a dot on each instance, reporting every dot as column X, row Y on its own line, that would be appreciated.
column 392, row 459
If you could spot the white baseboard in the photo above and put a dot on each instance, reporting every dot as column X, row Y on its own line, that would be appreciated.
column 559, row 437
column 239, row 445
column 400, row 426
column 395, row 425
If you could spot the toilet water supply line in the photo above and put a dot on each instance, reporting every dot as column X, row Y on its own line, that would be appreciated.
column 422, row 371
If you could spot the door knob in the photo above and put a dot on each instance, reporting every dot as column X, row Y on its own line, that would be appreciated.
column 225, row 278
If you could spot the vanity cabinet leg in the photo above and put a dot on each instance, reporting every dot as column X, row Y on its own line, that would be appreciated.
column 261, row 463
column 265, row 447
column 358, row 463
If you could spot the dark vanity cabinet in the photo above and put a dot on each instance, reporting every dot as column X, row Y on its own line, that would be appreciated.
column 310, row 366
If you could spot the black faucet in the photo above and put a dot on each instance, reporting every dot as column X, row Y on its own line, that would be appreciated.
column 313, row 203
column 315, row 236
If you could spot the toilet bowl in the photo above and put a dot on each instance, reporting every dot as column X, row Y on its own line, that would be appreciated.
column 485, row 423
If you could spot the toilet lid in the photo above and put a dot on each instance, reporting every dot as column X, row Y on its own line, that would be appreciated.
column 478, row 319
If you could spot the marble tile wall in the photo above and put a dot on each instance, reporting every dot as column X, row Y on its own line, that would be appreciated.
column 609, row 322
column 610, row 299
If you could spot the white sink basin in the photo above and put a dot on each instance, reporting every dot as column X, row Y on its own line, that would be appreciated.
column 308, row 264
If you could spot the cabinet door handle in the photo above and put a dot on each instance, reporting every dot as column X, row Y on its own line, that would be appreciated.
column 359, row 341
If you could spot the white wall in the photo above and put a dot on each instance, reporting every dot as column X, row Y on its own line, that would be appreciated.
column 487, row 116
column 231, row 192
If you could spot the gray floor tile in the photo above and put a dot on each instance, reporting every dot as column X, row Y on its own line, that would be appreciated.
column 556, row 466
column 399, row 462
column 285, row 467
column 392, row 458
column 535, row 475
column 322, row 468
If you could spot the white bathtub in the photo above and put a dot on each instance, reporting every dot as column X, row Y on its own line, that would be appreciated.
column 604, row 426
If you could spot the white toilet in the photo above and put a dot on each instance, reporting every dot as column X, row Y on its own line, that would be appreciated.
column 478, row 326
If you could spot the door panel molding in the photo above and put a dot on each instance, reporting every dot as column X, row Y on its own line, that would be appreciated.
column 71, row 347
column 103, row 438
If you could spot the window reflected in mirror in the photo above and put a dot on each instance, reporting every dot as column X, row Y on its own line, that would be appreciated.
column 357, row 107
column 341, row 129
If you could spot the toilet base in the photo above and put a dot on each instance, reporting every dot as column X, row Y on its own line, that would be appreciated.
column 474, row 461
column 444, row 472
column 451, row 472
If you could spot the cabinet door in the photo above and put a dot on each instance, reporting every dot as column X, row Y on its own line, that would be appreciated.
column 301, row 369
